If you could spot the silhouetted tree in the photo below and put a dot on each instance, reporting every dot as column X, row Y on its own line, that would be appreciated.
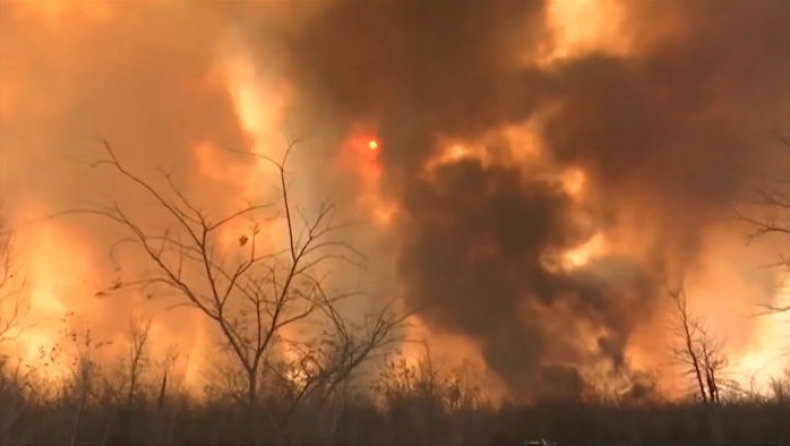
column 698, row 350
column 14, row 304
column 253, row 297
column 772, row 201
column 704, row 358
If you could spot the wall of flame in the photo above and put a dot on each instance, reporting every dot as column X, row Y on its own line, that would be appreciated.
column 215, row 91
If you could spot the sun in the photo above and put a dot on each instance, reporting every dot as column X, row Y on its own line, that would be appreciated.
column 373, row 144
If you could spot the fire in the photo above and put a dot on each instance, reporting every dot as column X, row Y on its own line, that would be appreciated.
column 448, row 350
column 755, row 344
column 525, row 150
column 61, row 271
column 259, row 104
column 764, row 359
column 581, row 255
column 359, row 157
column 385, row 211
column 64, row 273
column 58, row 11
column 455, row 152
column 581, row 27
column 723, row 291
column 574, row 180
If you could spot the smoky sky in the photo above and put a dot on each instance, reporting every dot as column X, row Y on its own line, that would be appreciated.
column 668, row 135
column 672, row 128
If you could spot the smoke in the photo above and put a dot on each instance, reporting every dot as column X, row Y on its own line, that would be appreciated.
column 665, row 135
column 545, row 190
column 143, row 76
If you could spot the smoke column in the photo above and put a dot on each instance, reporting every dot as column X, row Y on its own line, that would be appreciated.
column 544, row 170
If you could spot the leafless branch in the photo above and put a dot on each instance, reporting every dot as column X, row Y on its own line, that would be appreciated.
column 773, row 201
column 14, row 303
column 698, row 351
column 252, row 298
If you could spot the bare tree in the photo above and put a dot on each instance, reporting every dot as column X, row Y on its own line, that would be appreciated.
column 421, row 398
column 686, row 353
column 252, row 297
column 698, row 350
column 328, row 360
column 773, row 202
column 705, row 359
column 450, row 389
column 14, row 304
column 138, row 360
column 127, row 389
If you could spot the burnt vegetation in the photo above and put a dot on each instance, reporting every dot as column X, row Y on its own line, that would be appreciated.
column 405, row 404
column 663, row 108
column 345, row 384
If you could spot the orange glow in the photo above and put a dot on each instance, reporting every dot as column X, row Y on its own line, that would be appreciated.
column 259, row 104
column 719, row 292
column 449, row 350
column 59, row 11
column 67, row 265
column 385, row 212
column 454, row 153
column 763, row 359
column 580, row 27
column 573, row 181
column 359, row 157
column 523, row 141
column 60, row 270
column 579, row 256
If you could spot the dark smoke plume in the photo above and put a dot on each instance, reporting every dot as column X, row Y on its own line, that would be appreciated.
column 676, row 125
column 669, row 130
column 666, row 135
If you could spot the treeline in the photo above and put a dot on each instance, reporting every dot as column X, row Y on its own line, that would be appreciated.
column 404, row 404
column 328, row 391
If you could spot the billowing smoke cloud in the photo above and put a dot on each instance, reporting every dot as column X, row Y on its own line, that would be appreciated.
column 667, row 133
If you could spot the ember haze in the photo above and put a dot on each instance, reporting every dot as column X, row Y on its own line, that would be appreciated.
column 531, row 177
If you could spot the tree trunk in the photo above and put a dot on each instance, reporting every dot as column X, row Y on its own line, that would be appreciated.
column 252, row 406
column 252, row 387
